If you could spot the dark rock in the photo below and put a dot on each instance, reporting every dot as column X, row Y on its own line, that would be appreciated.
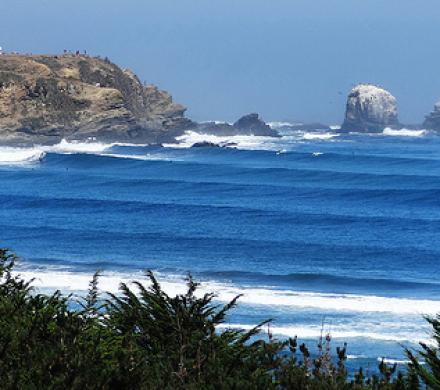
column 205, row 144
column 220, row 129
column 252, row 124
column 247, row 125
column 432, row 121
column 370, row 109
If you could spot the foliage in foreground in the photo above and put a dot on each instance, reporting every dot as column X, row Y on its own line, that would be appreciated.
column 145, row 339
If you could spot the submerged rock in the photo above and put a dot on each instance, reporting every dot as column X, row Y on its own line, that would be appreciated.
column 205, row 144
column 46, row 98
column 370, row 109
column 432, row 121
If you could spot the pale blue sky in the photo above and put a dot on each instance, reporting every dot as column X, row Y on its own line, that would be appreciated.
column 287, row 59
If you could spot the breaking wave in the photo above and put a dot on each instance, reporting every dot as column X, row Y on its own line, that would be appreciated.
column 340, row 332
column 254, row 296
column 36, row 153
column 249, row 142
column 319, row 136
column 404, row 132
column 281, row 125
column 365, row 326
column 20, row 156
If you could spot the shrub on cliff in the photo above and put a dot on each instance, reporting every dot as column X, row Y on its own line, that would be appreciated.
column 145, row 339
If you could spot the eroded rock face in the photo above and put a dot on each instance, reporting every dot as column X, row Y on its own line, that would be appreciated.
column 370, row 109
column 252, row 124
column 432, row 121
column 46, row 98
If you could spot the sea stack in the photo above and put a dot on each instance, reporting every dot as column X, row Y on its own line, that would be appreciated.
column 432, row 121
column 370, row 109
column 252, row 124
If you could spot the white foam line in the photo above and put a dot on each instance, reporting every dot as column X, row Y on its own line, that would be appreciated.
column 29, row 155
column 147, row 157
column 252, row 296
column 236, row 141
column 319, row 136
column 10, row 156
column 311, row 332
column 404, row 132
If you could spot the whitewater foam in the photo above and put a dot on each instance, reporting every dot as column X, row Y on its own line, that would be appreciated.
column 246, row 142
column 70, row 147
column 345, row 333
column 364, row 327
column 263, row 296
column 20, row 156
column 319, row 136
column 280, row 125
column 36, row 153
column 404, row 132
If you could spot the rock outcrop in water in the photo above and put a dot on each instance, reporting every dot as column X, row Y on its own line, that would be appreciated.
column 250, row 124
column 370, row 109
column 46, row 98
column 432, row 121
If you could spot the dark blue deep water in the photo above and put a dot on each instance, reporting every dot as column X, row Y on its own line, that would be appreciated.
column 311, row 228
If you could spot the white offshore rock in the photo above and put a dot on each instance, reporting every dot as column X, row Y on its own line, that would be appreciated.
column 370, row 109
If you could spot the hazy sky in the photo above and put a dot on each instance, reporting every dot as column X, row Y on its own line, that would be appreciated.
column 286, row 59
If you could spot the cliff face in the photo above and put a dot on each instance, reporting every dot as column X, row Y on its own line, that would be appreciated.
column 46, row 98
column 432, row 121
column 370, row 109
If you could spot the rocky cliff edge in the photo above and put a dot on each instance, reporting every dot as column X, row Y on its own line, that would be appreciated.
column 46, row 98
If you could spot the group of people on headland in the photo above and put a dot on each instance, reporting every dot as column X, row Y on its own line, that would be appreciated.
column 75, row 53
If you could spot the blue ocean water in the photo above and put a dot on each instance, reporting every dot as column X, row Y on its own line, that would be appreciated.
column 312, row 228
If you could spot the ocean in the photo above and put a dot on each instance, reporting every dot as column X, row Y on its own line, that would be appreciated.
column 317, row 230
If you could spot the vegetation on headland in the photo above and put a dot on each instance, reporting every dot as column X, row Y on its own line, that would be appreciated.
column 145, row 339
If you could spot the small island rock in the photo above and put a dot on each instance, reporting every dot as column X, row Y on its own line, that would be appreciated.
column 432, row 121
column 370, row 109
column 252, row 124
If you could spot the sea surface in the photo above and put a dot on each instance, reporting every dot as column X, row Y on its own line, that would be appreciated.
column 318, row 231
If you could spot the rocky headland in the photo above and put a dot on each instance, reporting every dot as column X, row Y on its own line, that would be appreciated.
column 44, row 99
column 370, row 109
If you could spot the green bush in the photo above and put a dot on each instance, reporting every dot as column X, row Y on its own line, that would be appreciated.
column 145, row 339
